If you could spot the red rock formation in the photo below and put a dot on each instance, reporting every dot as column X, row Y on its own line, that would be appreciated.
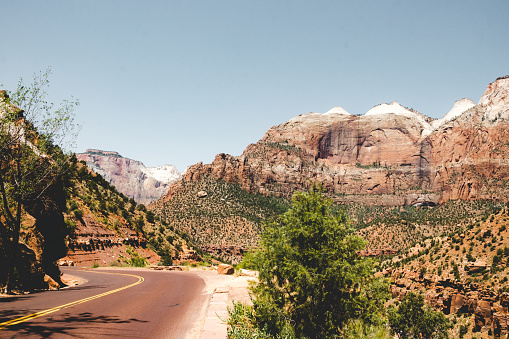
column 380, row 158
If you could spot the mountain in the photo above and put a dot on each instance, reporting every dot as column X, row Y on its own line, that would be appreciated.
column 131, row 177
column 389, row 156
column 392, row 157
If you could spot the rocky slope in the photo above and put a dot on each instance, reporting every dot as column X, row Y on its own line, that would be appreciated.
column 106, row 228
column 221, row 218
column 464, row 273
column 131, row 177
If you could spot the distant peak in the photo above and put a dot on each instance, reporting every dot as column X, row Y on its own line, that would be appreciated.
column 496, row 99
column 104, row 153
column 464, row 101
column 337, row 110
column 394, row 107
column 460, row 107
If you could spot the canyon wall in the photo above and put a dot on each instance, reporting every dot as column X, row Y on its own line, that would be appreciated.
column 392, row 155
column 131, row 177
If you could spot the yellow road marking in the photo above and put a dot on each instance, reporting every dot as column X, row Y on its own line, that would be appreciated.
column 58, row 308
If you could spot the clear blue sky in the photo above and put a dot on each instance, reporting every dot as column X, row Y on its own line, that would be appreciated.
column 180, row 81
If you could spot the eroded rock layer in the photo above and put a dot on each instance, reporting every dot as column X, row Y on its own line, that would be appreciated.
column 389, row 156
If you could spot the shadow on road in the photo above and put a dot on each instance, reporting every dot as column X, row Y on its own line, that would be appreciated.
column 12, row 298
column 82, row 325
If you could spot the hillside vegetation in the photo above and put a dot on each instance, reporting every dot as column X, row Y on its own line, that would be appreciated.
column 107, row 228
column 400, row 227
column 463, row 273
column 226, row 217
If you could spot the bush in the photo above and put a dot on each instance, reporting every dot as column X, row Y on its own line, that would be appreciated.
column 463, row 330
column 135, row 259
column 166, row 259
column 78, row 214
column 412, row 319
column 242, row 323
column 311, row 278
column 73, row 205
column 150, row 216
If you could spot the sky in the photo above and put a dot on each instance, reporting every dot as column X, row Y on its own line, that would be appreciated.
column 177, row 82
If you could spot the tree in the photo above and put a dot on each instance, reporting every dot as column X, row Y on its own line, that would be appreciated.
column 412, row 319
column 33, row 137
column 312, row 280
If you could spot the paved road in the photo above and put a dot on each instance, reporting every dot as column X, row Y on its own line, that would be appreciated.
column 159, row 304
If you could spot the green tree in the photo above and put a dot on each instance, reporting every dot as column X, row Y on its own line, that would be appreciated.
column 312, row 281
column 150, row 216
column 413, row 319
column 33, row 137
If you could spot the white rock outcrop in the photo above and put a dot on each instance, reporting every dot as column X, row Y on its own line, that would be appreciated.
column 460, row 107
column 396, row 108
column 496, row 100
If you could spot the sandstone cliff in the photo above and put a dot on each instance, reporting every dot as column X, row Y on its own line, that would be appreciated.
column 131, row 177
column 389, row 156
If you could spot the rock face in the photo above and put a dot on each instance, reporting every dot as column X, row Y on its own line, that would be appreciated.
column 389, row 156
column 131, row 177
column 92, row 242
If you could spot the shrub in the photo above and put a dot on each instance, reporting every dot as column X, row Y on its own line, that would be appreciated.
column 150, row 216
column 77, row 214
column 311, row 278
column 412, row 319
column 135, row 259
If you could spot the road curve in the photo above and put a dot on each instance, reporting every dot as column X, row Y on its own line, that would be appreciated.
column 158, row 304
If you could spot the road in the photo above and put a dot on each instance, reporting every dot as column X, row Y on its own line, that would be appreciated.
column 112, row 303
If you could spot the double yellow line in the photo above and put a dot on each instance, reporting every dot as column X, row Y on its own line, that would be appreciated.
column 74, row 303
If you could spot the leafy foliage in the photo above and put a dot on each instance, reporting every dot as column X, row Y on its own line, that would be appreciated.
column 412, row 319
column 34, row 136
column 311, row 277
column 135, row 259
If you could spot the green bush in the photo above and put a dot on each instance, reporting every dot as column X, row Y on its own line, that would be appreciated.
column 78, row 214
column 242, row 324
column 311, row 278
column 150, row 216
column 135, row 259
column 412, row 319
column 73, row 205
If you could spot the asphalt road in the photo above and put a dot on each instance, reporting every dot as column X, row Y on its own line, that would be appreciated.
column 143, row 304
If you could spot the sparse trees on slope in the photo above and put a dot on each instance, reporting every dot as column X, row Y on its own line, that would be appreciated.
column 312, row 282
column 32, row 132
